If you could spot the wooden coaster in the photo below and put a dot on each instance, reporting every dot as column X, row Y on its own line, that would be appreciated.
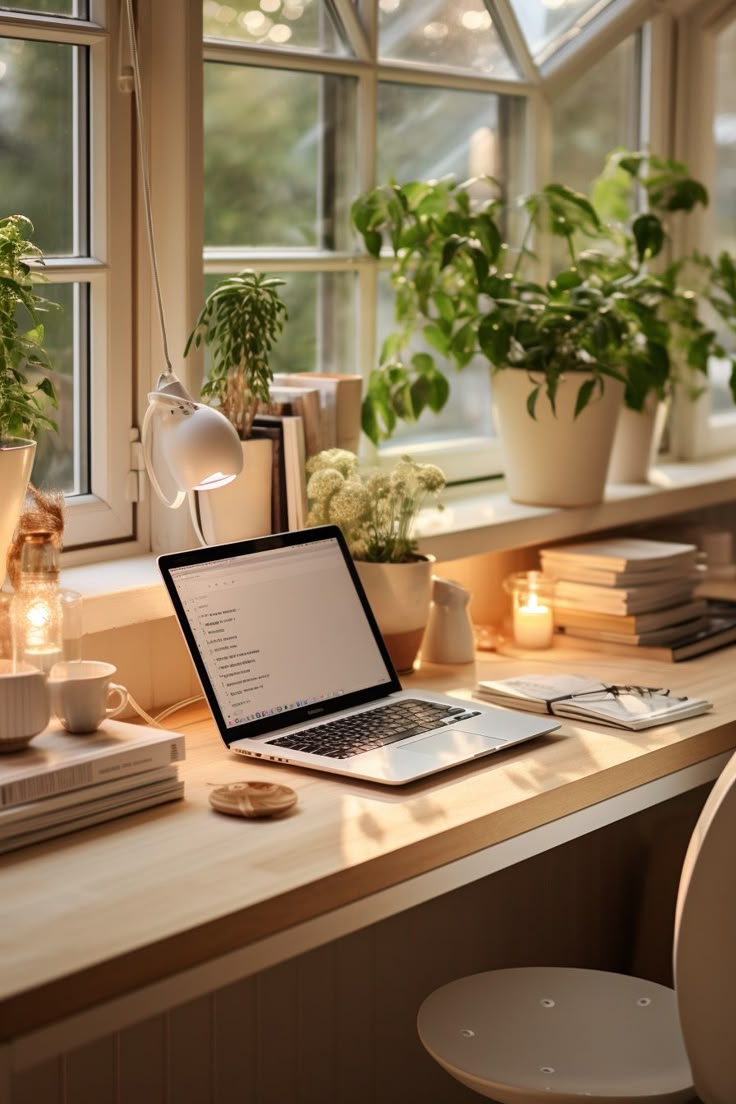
column 253, row 799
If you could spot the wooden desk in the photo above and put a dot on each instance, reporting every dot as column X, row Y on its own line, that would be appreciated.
column 112, row 925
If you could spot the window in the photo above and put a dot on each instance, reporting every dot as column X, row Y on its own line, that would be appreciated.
column 58, row 167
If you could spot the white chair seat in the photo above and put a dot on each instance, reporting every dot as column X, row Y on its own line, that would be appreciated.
column 561, row 1035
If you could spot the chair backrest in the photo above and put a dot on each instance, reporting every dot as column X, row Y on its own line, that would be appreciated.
column 705, row 945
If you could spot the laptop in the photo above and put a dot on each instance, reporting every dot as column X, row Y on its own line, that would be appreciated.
column 295, row 670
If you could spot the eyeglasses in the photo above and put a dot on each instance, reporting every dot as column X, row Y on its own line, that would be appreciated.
column 605, row 693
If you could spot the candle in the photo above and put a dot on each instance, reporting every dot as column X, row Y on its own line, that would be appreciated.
column 533, row 623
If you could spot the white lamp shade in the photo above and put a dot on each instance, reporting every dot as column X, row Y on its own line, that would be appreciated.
column 199, row 446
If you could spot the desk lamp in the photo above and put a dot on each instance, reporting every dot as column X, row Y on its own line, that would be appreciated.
column 198, row 444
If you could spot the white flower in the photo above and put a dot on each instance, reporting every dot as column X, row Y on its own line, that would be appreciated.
column 430, row 477
column 343, row 461
column 323, row 484
column 349, row 504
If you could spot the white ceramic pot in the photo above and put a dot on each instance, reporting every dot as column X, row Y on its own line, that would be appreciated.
column 16, row 461
column 24, row 704
column 554, row 460
column 242, row 508
column 399, row 595
column 636, row 441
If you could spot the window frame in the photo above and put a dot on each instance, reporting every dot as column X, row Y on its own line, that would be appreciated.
column 104, row 516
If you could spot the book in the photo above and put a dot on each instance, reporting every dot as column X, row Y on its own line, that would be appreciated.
column 293, row 460
column 56, row 762
column 666, row 635
column 274, row 432
column 131, row 801
column 621, row 555
column 599, row 577
column 36, row 815
column 717, row 630
column 303, row 401
column 583, row 699
column 630, row 623
column 626, row 600
column 340, row 403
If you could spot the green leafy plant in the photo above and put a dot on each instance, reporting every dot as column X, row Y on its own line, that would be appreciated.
column 466, row 291
column 375, row 509
column 26, row 393
column 665, row 295
column 240, row 322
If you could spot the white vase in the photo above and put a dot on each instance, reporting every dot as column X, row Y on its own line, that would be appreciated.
column 242, row 508
column 636, row 441
column 554, row 459
column 399, row 595
column 16, row 461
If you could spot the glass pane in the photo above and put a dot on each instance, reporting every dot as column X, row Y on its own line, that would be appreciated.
column 319, row 334
column 443, row 32
column 299, row 24
column 468, row 409
column 596, row 114
column 37, row 139
column 280, row 160
column 426, row 132
column 77, row 9
column 61, row 459
column 547, row 24
column 724, row 216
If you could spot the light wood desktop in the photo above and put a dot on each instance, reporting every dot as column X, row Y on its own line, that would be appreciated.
column 107, row 927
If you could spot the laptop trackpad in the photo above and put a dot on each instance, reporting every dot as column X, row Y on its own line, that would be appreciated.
column 453, row 742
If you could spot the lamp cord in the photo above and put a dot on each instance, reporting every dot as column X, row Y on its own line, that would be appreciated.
column 142, row 148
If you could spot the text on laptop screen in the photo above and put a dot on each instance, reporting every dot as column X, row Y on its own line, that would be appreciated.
column 279, row 629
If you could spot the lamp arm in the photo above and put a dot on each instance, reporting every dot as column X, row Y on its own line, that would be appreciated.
column 146, row 436
column 196, row 520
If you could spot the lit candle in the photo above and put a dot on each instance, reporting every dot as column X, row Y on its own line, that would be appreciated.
column 533, row 623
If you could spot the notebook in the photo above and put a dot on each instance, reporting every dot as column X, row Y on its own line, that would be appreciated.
column 295, row 670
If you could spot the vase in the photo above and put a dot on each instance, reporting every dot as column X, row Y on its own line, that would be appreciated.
column 636, row 441
column 399, row 595
column 16, row 461
column 554, row 459
column 242, row 508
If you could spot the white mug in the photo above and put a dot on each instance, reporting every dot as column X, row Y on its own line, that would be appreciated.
column 82, row 695
column 24, row 704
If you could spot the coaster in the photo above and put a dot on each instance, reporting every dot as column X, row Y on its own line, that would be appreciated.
column 253, row 799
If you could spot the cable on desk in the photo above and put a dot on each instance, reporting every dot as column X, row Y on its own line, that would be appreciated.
column 156, row 721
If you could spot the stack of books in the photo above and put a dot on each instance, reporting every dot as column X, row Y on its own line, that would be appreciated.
column 631, row 595
column 61, row 783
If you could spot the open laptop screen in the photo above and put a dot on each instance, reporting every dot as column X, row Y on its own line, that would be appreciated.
column 278, row 628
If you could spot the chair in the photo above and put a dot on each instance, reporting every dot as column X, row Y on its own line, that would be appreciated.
column 563, row 1036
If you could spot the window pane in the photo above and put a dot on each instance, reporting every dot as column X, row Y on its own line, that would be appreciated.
column 61, row 458
column 596, row 114
column 279, row 158
column 548, row 24
column 443, row 33
column 319, row 334
column 78, row 9
column 724, row 217
column 300, row 24
column 37, row 138
column 428, row 132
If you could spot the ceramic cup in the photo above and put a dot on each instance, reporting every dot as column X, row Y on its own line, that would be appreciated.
column 83, row 695
column 24, row 704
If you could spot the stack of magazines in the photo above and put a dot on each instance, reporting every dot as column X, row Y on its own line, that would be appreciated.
column 635, row 596
column 584, row 699
column 61, row 783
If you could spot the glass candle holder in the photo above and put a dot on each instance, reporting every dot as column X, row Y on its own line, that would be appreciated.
column 532, row 596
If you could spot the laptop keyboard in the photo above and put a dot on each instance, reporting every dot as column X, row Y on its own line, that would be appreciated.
column 374, row 728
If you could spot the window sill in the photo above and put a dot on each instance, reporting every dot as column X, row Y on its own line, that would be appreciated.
column 475, row 520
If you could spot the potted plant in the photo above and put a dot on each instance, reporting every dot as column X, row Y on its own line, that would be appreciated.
column 557, row 349
column 664, row 294
column 376, row 509
column 26, row 392
column 240, row 321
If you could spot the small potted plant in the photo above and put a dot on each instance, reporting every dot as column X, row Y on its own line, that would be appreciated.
column 239, row 323
column 556, row 348
column 26, row 392
column 665, row 297
column 376, row 510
